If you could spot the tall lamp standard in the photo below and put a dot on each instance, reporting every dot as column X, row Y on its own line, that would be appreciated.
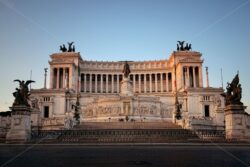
column 177, row 104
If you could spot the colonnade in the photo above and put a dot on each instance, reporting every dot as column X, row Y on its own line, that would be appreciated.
column 60, row 77
column 110, row 83
column 142, row 82
column 192, row 76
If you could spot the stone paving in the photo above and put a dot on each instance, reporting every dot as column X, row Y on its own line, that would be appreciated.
column 211, row 155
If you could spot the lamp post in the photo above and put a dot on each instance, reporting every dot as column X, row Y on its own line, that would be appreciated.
column 177, row 104
column 77, row 112
column 177, row 109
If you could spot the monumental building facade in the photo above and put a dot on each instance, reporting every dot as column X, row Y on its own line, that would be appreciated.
column 149, row 93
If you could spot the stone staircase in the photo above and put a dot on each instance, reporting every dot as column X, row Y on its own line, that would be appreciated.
column 128, row 136
column 121, row 132
column 127, row 125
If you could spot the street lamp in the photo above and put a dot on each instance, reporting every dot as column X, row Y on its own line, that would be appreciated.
column 177, row 104
column 177, row 108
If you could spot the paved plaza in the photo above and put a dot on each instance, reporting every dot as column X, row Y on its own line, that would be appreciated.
column 125, row 155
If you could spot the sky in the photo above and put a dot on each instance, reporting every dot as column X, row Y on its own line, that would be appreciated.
column 116, row 30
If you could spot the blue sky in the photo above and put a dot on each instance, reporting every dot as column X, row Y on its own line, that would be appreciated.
column 113, row 30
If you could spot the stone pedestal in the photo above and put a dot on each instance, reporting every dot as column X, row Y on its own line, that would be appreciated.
column 126, row 87
column 35, row 119
column 20, row 130
column 234, row 122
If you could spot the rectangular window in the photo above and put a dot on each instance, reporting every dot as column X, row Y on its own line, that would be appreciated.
column 206, row 108
column 46, row 111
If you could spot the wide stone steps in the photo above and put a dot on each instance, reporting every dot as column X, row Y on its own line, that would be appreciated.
column 128, row 125
column 118, row 136
column 126, row 132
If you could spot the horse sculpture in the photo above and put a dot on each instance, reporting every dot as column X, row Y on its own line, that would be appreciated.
column 180, row 46
column 71, row 47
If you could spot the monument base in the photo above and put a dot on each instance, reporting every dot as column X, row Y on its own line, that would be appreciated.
column 126, row 87
column 234, row 121
column 20, row 130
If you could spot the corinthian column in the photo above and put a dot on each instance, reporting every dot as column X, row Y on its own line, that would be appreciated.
column 139, row 83
column 161, row 82
column 194, row 77
column 156, row 80
column 57, row 78
column 107, row 82
column 112, row 83
column 118, row 83
column 95, row 83
column 101, row 83
column 85, row 82
column 150, row 83
column 63, row 83
column 200, row 77
column 133, row 82
column 167, row 82
column 90, row 83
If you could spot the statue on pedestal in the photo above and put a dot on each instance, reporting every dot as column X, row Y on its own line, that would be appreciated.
column 71, row 47
column 63, row 48
column 126, row 84
column 234, row 91
column 22, row 93
column 180, row 46
column 126, row 70
column 20, row 130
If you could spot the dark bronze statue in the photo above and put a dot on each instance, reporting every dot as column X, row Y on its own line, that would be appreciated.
column 22, row 93
column 71, row 47
column 63, row 48
column 180, row 46
column 186, row 47
column 181, row 43
column 234, row 91
column 126, row 70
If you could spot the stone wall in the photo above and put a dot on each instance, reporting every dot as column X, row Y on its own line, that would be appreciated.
column 5, row 122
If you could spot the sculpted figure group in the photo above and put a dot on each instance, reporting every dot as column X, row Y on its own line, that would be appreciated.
column 71, row 47
column 234, row 91
column 126, row 70
column 180, row 46
column 22, row 93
